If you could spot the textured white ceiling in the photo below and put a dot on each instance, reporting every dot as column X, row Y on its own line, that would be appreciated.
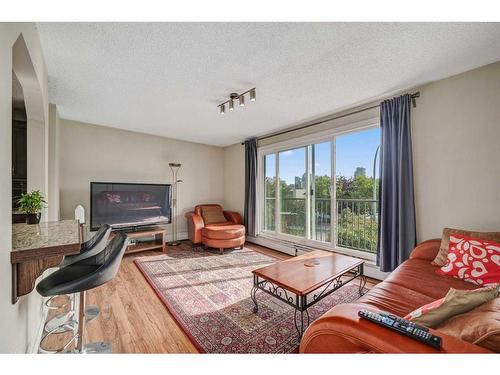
column 167, row 78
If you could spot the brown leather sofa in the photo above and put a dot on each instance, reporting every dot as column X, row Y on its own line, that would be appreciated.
column 413, row 284
column 213, row 227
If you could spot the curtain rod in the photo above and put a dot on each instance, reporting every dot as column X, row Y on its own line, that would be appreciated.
column 413, row 96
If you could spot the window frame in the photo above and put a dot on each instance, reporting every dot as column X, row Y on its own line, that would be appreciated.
column 304, row 141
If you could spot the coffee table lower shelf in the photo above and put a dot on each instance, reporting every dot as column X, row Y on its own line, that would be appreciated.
column 302, row 302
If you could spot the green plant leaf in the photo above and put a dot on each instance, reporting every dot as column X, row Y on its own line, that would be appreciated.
column 32, row 203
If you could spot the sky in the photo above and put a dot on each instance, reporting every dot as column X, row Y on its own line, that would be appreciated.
column 352, row 150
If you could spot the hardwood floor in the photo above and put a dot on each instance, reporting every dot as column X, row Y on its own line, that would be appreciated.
column 134, row 320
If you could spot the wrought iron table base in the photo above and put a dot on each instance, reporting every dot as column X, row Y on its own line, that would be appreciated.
column 300, row 303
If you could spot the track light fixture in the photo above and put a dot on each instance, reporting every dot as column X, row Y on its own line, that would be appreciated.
column 235, row 96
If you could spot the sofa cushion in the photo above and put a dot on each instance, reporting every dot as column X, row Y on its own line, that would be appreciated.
column 456, row 302
column 442, row 255
column 212, row 214
column 480, row 326
column 223, row 232
column 394, row 298
column 420, row 276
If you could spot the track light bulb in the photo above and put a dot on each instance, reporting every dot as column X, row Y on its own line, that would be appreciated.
column 242, row 101
column 252, row 95
column 222, row 109
column 231, row 104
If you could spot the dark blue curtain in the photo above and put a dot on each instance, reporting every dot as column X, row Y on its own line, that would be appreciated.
column 250, row 185
column 397, row 229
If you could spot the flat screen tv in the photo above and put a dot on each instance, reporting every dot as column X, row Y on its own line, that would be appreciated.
column 127, row 205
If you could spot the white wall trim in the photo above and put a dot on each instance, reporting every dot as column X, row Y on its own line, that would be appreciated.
column 319, row 136
column 180, row 236
column 371, row 269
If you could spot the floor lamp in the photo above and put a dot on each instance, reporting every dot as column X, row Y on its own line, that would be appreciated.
column 174, row 167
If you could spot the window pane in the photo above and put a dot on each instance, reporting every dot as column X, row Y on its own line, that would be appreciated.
column 356, row 191
column 321, row 171
column 270, row 192
column 293, row 185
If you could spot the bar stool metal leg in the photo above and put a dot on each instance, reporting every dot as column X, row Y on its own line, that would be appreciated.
column 61, row 321
column 81, row 320
column 61, row 349
column 92, row 347
column 51, row 306
column 91, row 312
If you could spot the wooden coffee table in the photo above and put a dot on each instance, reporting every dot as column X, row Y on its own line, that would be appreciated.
column 305, row 280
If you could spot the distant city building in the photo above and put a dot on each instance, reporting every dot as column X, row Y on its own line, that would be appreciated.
column 301, row 182
column 298, row 182
column 360, row 171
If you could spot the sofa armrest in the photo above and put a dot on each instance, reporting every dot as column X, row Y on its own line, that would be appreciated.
column 426, row 250
column 341, row 331
column 233, row 217
column 195, row 225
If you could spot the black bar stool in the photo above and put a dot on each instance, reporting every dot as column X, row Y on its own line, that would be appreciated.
column 79, row 277
column 93, row 246
column 88, row 249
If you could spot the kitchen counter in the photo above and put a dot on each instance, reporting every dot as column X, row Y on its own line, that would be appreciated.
column 36, row 247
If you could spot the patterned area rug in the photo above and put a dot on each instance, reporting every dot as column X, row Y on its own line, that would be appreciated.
column 209, row 296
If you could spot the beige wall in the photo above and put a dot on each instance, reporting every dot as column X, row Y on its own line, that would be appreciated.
column 96, row 153
column 19, row 323
column 36, row 147
column 456, row 135
column 456, row 147
column 53, row 158
column 234, row 178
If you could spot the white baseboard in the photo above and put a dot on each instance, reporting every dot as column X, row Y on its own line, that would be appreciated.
column 371, row 269
column 281, row 247
column 180, row 236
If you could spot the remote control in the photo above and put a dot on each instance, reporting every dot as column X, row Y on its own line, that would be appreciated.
column 402, row 326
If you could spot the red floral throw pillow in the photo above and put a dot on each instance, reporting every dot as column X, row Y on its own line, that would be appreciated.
column 473, row 259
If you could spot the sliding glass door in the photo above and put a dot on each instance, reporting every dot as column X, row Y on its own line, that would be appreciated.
column 324, row 191
column 270, row 192
column 293, row 191
column 357, row 180
column 321, row 188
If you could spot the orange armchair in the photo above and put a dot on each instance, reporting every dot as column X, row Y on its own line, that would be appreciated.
column 213, row 227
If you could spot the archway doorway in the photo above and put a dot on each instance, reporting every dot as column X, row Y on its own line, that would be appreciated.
column 29, row 128
column 19, row 149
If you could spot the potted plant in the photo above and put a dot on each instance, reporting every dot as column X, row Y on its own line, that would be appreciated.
column 32, row 204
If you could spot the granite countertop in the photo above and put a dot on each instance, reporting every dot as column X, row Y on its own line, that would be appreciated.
column 45, row 235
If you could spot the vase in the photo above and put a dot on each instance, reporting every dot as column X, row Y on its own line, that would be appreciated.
column 33, row 218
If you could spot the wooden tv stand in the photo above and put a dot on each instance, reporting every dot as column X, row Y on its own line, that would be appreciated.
column 158, row 243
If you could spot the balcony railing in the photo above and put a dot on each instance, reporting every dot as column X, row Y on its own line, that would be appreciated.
column 356, row 226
